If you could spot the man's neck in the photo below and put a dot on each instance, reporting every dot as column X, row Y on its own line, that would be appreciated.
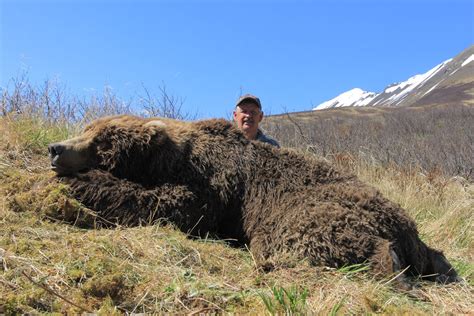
column 251, row 136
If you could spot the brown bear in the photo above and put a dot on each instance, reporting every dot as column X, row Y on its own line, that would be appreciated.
column 207, row 178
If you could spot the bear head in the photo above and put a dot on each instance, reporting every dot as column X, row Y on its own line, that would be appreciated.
column 124, row 145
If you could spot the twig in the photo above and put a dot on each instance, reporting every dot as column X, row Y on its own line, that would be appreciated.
column 209, row 302
column 201, row 311
column 12, row 285
column 181, row 302
column 195, row 225
column 300, row 130
column 139, row 302
column 49, row 290
column 396, row 276
column 232, row 287
column 253, row 258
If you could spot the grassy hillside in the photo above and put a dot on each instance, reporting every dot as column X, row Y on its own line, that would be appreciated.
column 49, row 265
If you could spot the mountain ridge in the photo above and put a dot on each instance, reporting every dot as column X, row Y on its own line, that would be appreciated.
column 451, row 80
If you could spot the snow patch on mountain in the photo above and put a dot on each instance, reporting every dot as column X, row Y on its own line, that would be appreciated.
column 413, row 82
column 432, row 88
column 467, row 61
column 354, row 97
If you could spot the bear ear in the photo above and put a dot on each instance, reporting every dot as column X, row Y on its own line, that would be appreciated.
column 155, row 123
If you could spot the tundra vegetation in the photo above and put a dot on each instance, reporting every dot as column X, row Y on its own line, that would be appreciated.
column 47, row 266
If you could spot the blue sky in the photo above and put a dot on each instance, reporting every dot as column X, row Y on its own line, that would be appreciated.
column 292, row 54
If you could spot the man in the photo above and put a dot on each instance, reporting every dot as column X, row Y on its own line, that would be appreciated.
column 248, row 114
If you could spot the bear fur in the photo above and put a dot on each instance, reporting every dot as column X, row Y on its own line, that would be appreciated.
column 205, row 177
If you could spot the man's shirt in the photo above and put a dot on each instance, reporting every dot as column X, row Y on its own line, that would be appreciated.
column 265, row 139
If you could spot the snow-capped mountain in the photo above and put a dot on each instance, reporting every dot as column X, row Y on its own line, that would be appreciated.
column 450, row 81
column 354, row 97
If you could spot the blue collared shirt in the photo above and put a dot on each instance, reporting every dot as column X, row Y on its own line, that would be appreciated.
column 265, row 139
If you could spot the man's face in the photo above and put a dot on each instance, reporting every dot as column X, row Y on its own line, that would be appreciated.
column 248, row 115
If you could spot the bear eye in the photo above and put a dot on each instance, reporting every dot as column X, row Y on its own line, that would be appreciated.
column 104, row 146
column 101, row 141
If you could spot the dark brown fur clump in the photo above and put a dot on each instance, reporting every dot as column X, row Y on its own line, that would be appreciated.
column 206, row 178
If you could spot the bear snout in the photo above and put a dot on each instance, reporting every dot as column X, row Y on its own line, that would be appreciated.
column 56, row 151
column 67, row 159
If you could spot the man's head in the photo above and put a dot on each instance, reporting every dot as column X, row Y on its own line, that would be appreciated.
column 248, row 114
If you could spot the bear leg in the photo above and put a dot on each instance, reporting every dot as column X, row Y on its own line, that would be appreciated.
column 439, row 269
column 386, row 262
column 122, row 202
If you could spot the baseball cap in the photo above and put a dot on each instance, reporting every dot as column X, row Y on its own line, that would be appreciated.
column 251, row 98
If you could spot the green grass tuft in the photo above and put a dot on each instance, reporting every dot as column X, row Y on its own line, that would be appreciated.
column 290, row 301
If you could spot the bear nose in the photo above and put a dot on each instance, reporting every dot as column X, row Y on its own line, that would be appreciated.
column 55, row 150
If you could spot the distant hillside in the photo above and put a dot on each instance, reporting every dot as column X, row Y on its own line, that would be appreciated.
column 430, row 137
column 452, row 81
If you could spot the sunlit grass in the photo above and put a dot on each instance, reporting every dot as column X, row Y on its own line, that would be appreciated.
column 49, row 264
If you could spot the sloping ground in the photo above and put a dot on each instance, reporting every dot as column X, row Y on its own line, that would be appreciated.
column 450, row 94
column 49, row 264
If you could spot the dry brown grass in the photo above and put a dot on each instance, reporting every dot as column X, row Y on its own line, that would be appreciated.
column 47, row 265
column 431, row 138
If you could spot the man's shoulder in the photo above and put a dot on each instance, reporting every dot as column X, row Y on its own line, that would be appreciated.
column 265, row 139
